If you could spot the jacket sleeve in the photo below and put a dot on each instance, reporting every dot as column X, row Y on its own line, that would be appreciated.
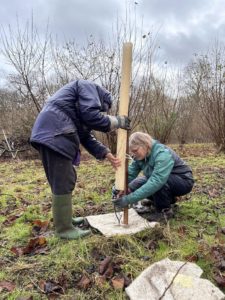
column 93, row 146
column 133, row 171
column 162, row 168
column 90, row 108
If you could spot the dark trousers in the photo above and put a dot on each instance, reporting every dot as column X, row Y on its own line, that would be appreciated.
column 163, row 198
column 59, row 171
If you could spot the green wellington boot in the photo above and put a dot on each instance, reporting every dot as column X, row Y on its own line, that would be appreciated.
column 78, row 221
column 62, row 218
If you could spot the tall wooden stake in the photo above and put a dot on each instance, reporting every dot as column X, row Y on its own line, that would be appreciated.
column 120, row 180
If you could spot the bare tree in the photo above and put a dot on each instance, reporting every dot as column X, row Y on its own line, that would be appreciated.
column 40, row 70
column 160, row 110
column 15, row 117
column 26, row 52
column 208, row 86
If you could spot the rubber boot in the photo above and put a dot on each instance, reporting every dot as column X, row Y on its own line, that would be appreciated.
column 78, row 220
column 163, row 216
column 147, row 202
column 62, row 218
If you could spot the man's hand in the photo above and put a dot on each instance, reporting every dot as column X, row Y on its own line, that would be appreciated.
column 123, row 122
column 115, row 162
column 121, row 202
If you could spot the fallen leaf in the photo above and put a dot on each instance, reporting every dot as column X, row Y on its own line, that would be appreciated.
column 49, row 287
column 42, row 285
column 7, row 285
column 213, row 193
column 220, row 279
column 11, row 219
column 127, row 280
column 182, row 230
column 220, row 264
column 217, row 252
column 152, row 245
column 118, row 282
column 100, row 280
column 84, row 282
column 35, row 246
column 39, row 226
column 192, row 258
column 63, row 280
column 104, row 265
column 109, row 271
column 17, row 250
column 117, row 265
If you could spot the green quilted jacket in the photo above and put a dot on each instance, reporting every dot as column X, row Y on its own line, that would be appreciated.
column 157, row 166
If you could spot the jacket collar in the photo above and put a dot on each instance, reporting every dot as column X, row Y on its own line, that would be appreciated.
column 150, row 151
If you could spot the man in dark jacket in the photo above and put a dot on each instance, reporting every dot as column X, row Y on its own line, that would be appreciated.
column 65, row 121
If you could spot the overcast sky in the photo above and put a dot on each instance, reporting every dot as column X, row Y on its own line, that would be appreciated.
column 184, row 27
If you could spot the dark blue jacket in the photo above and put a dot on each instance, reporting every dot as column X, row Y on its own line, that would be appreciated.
column 68, row 117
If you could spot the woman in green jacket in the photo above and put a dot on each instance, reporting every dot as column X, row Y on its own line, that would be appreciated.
column 165, row 176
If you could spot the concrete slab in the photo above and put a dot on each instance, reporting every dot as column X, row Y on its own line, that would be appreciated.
column 173, row 280
column 108, row 225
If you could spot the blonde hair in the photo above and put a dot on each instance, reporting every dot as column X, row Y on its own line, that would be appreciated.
column 140, row 139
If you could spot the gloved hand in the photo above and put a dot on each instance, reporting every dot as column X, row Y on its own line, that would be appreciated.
column 123, row 122
column 115, row 192
column 121, row 202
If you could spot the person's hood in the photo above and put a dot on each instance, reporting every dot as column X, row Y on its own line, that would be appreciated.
column 105, row 98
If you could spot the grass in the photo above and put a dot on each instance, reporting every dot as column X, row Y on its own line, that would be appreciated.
column 55, row 272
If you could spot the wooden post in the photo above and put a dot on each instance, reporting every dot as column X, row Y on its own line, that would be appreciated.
column 120, row 180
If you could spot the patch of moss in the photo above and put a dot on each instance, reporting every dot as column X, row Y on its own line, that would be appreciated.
column 19, row 232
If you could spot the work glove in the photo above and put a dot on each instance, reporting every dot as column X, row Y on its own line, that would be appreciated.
column 119, row 122
column 123, row 122
column 121, row 202
column 115, row 192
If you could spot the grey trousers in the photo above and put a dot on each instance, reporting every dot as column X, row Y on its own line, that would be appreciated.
column 59, row 171
column 176, row 185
